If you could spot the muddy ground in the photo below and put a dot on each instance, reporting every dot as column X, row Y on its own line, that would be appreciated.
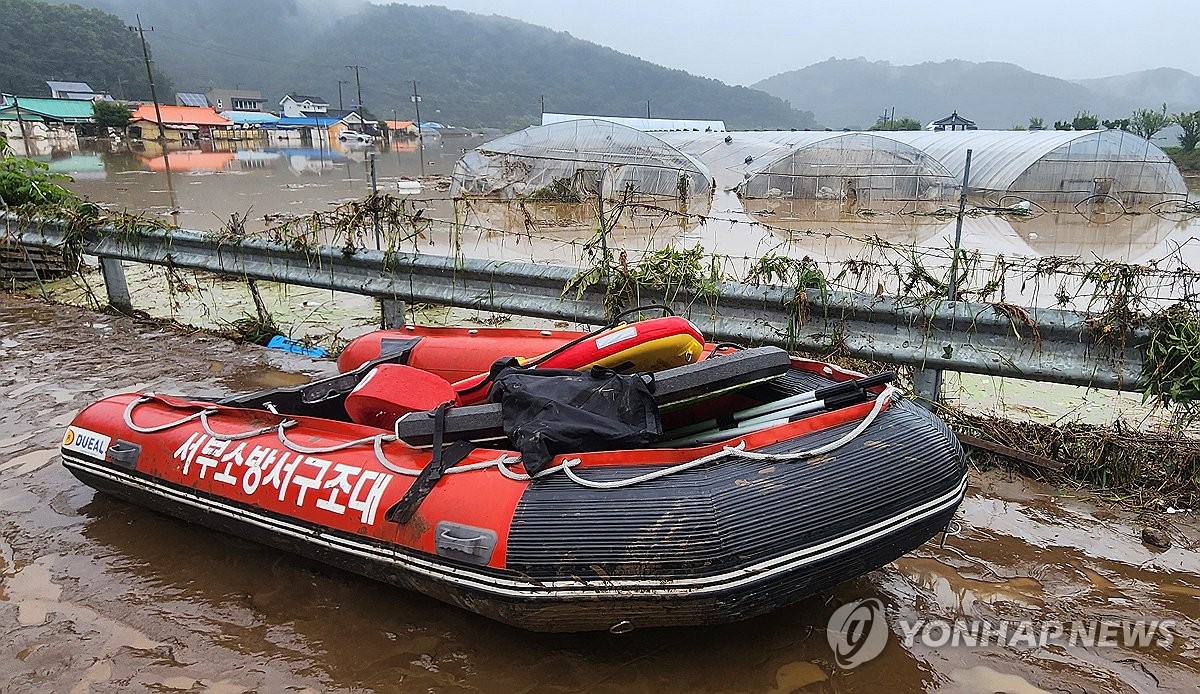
column 98, row 595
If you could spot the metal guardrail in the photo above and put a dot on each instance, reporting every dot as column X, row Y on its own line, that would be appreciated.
column 1052, row 345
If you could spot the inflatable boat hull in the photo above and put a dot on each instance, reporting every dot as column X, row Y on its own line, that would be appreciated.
column 717, row 542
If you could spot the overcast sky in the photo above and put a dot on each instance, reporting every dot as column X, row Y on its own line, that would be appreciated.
column 744, row 41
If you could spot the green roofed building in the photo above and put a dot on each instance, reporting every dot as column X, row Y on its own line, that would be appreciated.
column 70, row 111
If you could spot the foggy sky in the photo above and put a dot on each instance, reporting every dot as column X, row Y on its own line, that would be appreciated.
column 742, row 42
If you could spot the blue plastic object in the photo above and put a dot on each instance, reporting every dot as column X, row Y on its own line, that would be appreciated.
column 296, row 347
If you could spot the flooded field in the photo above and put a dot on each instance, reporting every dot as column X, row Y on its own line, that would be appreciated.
column 98, row 595
column 263, row 187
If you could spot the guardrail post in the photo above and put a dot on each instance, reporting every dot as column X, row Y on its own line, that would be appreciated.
column 115, row 285
column 927, row 384
column 391, row 312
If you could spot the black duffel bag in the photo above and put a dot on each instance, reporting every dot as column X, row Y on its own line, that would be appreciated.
column 546, row 412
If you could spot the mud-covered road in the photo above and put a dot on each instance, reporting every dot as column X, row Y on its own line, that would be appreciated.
column 97, row 595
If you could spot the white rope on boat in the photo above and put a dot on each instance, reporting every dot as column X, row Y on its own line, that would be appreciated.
column 882, row 399
column 321, row 450
column 245, row 434
column 617, row 484
column 739, row 451
column 504, row 463
column 161, row 427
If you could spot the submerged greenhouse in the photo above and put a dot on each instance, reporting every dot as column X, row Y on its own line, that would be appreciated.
column 856, row 167
column 570, row 161
column 1055, row 168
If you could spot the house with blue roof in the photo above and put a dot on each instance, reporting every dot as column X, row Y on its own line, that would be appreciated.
column 312, row 118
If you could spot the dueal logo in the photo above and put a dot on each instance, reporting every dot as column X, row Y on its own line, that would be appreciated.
column 857, row 632
column 83, row 440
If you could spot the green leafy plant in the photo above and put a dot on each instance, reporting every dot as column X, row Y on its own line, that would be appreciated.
column 1147, row 123
column 558, row 190
column 1172, row 361
column 897, row 124
column 773, row 268
column 1085, row 121
column 28, row 182
column 1190, row 124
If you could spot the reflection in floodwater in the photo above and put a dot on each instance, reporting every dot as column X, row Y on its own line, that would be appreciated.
column 1042, row 258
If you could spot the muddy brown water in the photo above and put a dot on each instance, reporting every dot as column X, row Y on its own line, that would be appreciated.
column 99, row 595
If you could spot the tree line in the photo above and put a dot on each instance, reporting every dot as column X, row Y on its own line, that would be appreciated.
column 40, row 41
column 1144, row 122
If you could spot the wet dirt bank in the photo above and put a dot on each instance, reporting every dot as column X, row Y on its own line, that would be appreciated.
column 98, row 595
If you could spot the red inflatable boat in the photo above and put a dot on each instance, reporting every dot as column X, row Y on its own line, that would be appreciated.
column 773, row 478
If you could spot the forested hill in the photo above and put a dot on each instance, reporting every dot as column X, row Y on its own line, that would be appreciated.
column 471, row 69
column 492, row 70
column 996, row 95
column 853, row 93
column 40, row 42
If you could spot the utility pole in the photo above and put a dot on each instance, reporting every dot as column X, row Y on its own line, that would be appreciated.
column 416, row 99
column 162, row 136
column 21, row 124
column 341, row 106
column 358, row 82
column 542, row 98
column 647, row 108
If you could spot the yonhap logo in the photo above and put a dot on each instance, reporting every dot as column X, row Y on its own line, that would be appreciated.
column 857, row 632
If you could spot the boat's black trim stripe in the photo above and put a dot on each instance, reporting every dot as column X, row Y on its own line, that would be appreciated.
column 575, row 588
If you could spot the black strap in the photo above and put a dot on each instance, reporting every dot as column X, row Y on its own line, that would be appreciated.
column 443, row 459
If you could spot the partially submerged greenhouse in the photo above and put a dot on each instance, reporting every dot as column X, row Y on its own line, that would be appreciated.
column 572, row 160
column 851, row 166
column 1055, row 168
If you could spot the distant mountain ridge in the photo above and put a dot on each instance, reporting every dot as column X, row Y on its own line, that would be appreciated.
column 1179, row 89
column 471, row 69
column 853, row 93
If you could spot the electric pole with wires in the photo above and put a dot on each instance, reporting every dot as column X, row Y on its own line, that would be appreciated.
column 162, row 135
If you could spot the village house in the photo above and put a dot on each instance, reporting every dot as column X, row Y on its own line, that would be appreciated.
column 404, row 128
column 181, row 125
column 249, row 100
column 300, row 106
column 36, row 125
column 311, row 118
column 77, row 91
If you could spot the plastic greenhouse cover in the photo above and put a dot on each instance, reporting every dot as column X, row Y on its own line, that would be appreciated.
column 573, row 154
column 1000, row 157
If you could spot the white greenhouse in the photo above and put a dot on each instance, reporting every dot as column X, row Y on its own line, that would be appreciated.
column 570, row 161
column 857, row 167
column 1055, row 168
